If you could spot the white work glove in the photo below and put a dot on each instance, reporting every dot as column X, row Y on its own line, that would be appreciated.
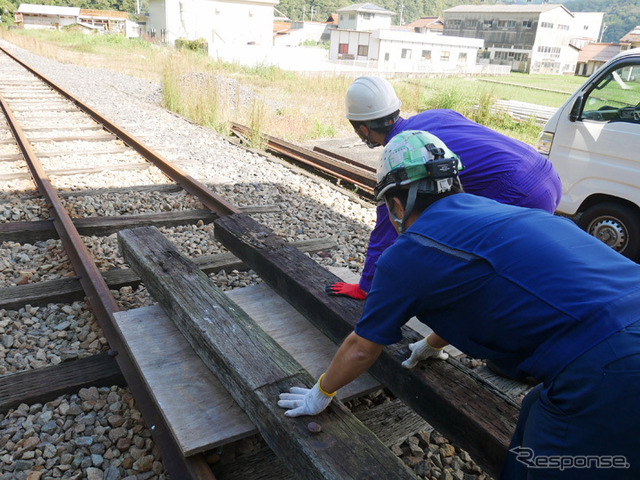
column 305, row 401
column 421, row 350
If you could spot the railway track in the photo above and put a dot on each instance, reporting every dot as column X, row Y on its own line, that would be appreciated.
column 49, row 130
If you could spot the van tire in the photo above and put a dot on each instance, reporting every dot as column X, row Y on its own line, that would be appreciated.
column 616, row 225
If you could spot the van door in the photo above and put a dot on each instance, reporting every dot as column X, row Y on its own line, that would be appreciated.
column 598, row 158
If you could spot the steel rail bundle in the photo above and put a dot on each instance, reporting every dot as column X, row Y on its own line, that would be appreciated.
column 363, row 176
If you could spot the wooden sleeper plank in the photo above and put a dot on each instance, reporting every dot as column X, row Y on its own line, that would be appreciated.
column 254, row 368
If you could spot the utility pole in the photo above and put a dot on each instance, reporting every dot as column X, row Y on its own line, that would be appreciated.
column 604, row 28
column 401, row 10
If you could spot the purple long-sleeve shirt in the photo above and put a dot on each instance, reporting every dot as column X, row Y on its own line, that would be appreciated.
column 495, row 166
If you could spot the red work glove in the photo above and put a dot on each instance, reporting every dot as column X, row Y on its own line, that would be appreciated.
column 351, row 290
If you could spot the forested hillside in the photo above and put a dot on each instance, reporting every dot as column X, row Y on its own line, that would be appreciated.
column 620, row 15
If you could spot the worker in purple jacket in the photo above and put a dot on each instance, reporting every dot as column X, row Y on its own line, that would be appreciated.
column 495, row 166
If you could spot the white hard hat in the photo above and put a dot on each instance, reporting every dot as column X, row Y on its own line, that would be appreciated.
column 370, row 98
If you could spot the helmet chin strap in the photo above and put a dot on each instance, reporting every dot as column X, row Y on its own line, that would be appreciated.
column 411, row 200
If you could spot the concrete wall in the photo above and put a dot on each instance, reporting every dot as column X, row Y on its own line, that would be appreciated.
column 221, row 23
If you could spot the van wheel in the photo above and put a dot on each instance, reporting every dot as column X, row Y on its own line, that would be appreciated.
column 616, row 225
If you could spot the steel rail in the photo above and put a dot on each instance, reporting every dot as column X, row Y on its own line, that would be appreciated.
column 104, row 306
column 209, row 199
column 344, row 159
column 359, row 176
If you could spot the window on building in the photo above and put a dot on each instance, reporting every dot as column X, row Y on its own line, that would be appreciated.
column 546, row 25
column 367, row 16
column 343, row 48
column 506, row 24
column 563, row 27
column 487, row 24
column 462, row 57
column 363, row 50
column 352, row 16
column 426, row 54
column 386, row 57
column 445, row 55
column 456, row 23
column 406, row 53
column 526, row 24
column 471, row 23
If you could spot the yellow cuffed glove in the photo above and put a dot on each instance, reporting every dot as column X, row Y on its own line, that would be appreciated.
column 305, row 401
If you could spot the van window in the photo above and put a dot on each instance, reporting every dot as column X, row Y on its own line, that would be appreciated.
column 616, row 97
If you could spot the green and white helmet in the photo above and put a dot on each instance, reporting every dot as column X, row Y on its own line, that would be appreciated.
column 418, row 161
column 412, row 156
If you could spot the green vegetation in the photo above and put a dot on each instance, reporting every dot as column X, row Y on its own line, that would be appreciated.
column 294, row 106
column 199, row 45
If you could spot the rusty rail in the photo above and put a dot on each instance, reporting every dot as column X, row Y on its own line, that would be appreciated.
column 209, row 199
column 360, row 176
column 104, row 306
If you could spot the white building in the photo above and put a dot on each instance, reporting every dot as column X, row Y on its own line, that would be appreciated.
column 365, row 37
column 45, row 16
column 363, row 17
column 401, row 51
column 529, row 38
column 225, row 25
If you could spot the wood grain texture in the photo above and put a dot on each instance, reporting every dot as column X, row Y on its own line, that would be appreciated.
column 254, row 368
column 393, row 422
column 198, row 409
column 465, row 408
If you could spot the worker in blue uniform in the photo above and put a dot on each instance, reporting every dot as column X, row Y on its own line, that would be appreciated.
column 496, row 166
column 526, row 289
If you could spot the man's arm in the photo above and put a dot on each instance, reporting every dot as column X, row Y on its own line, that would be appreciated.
column 353, row 358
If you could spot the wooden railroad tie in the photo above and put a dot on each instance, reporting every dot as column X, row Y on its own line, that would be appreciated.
column 254, row 368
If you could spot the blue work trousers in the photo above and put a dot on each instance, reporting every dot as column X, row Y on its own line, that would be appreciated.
column 586, row 423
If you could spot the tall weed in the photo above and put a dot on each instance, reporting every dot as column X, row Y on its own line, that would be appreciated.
column 256, row 121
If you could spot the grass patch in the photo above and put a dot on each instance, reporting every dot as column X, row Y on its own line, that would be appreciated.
column 292, row 105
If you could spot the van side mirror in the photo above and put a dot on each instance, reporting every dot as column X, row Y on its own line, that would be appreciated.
column 576, row 109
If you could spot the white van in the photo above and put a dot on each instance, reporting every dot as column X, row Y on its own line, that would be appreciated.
column 593, row 141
